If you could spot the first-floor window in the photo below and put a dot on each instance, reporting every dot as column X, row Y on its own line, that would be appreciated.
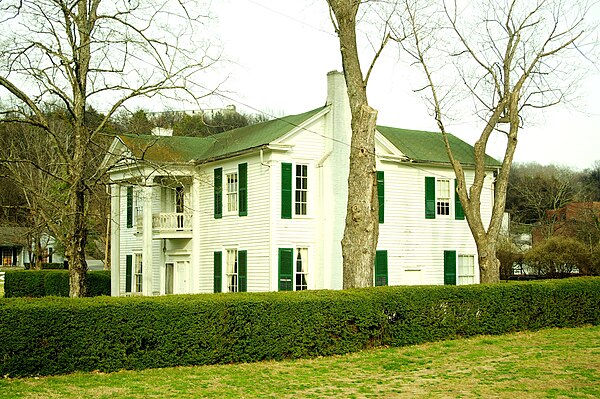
column 466, row 269
column 232, row 270
column 301, row 269
column 138, row 278
column 443, row 197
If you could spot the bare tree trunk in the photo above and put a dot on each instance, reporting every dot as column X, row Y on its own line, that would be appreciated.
column 362, row 225
column 76, row 240
column 489, row 265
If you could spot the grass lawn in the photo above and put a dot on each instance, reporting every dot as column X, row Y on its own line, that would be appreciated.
column 552, row 363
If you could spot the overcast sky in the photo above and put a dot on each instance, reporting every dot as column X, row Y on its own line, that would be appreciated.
column 281, row 51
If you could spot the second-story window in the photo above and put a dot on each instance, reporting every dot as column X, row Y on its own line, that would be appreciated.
column 443, row 197
column 232, row 191
column 301, row 189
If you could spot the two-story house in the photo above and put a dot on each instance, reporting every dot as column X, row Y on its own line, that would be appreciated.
column 262, row 208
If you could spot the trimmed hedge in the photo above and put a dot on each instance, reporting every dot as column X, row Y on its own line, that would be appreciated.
column 58, row 335
column 39, row 283
column 50, row 266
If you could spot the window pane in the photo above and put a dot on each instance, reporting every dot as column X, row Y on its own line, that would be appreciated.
column 301, row 269
column 301, row 189
column 232, row 192
column 466, row 269
column 232, row 270
column 443, row 197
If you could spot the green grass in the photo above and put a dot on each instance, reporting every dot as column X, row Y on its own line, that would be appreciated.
column 552, row 363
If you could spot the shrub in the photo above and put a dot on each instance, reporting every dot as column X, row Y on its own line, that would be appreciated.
column 39, row 283
column 558, row 256
column 59, row 335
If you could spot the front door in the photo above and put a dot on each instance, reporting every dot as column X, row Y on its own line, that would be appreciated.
column 182, row 272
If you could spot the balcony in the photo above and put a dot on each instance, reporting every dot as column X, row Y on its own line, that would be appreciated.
column 172, row 225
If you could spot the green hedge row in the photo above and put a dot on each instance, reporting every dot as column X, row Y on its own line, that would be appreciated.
column 39, row 283
column 50, row 266
column 59, row 335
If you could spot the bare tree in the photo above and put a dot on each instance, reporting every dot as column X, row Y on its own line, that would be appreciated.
column 510, row 56
column 362, row 227
column 72, row 53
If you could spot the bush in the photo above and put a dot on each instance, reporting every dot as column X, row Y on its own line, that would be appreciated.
column 558, row 256
column 39, row 283
column 48, row 266
column 58, row 335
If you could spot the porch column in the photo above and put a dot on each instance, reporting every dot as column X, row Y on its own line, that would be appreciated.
column 147, row 261
column 195, row 266
column 115, row 239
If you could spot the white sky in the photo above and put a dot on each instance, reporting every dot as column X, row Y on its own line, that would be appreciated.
column 281, row 51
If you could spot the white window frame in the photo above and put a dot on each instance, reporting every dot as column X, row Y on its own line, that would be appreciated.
column 137, row 275
column 301, row 189
column 231, row 192
column 465, row 277
column 443, row 203
column 232, row 268
column 303, row 252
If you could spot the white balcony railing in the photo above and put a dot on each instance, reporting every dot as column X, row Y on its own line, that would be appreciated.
column 164, row 222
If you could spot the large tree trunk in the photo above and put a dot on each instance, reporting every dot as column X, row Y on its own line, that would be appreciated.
column 362, row 225
column 489, row 265
column 76, row 240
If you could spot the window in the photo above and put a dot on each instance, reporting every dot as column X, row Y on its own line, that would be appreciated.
column 466, row 269
column 301, row 269
column 438, row 197
column 138, row 277
column 293, row 278
column 232, row 270
column 236, row 271
column 442, row 203
column 231, row 180
column 301, row 189
column 299, row 201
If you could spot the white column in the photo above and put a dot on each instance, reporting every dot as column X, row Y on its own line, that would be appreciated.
column 115, row 239
column 195, row 266
column 147, row 260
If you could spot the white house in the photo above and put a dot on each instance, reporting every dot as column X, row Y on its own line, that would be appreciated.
column 262, row 208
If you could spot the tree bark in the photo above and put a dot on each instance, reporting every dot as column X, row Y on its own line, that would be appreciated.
column 362, row 225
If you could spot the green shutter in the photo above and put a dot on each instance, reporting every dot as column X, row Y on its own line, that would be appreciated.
column 381, row 268
column 243, row 271
column 218, row 271
column 429, row 197
column 380, row 195
column 459, row 213
column 130, row 206
column 286, row 190
column 243, row 189
column 218, row 187
column 128, row 272
column 286, row 271
column 449, row 267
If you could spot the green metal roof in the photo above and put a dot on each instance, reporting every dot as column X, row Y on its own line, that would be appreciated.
column 421, row 146
column 12, row 236
column 185, row 149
